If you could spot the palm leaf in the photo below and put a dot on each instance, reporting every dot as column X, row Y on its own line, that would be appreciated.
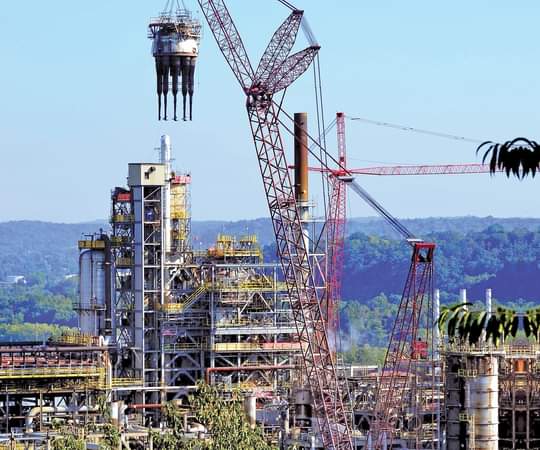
column 477, row 326
column 514, row 325
column 493, row 330
column 527, row 325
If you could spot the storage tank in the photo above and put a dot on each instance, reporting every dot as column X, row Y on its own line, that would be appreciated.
column 484, row 403
column 92, row 291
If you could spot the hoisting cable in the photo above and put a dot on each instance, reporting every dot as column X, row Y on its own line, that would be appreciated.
column 348, row 178
column 398, row 226
column 416, row 130
column 288, row 5
column 322, row 139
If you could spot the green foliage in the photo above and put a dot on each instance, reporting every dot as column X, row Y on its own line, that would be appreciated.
column 111, row 437
column 225, row 420
column 364, row 355
column 37, row 310
column 26, row 331
column 464, row 325
column 68, row 442
column 505, row 261
column 519, row 156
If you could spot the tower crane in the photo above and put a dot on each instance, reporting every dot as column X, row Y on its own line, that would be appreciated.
column 337, row 209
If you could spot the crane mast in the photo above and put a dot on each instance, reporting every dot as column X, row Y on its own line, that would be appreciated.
column 337, row 216
column 277, row 70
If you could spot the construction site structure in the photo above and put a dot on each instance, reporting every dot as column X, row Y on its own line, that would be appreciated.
column 176, row 36
column 492, row 392
column 45, row 388
column 179, row 316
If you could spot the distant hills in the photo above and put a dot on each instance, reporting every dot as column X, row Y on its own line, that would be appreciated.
column 28, row 247
column 472, row 252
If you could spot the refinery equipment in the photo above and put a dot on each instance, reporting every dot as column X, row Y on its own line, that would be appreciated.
column 175, row 38
column 178, row 315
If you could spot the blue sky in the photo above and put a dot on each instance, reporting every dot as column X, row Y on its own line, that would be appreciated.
column 78, row 102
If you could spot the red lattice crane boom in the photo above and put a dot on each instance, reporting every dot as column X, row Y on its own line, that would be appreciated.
column 277, row 71
column 411, row 170
column 404, row 354
column 336, row 221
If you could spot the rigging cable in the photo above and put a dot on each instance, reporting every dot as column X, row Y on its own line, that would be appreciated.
column 416, row 130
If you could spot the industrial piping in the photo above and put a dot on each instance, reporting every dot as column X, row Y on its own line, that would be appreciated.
column 209, row 370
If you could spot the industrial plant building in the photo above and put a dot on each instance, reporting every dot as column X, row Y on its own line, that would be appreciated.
column 156, row 317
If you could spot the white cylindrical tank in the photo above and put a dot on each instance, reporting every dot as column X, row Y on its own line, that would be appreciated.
column 92, row 291
column 484, row 404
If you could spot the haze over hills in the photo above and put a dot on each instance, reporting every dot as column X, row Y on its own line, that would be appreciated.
column 472, row 252
column 33, row 246
column 498, row 246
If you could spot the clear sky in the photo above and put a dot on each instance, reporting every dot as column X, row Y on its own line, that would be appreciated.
column 77, row 102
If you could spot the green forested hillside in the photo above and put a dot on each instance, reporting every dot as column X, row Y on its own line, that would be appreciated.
column 38, row 309
column 504, row 255
column 28, row 247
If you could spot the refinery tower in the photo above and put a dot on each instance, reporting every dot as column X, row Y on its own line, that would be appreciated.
column 173, row 316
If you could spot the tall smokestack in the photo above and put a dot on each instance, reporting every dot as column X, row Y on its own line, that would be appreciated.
column 301, row 159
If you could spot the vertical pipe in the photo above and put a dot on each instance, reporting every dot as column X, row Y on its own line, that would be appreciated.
column 436, row 332
column 166, row 61
column 175, row 73
column 191, row 85
column 107, row 320
column 463, row 296
column 437, row 359
column 185, row 82
column 301, row 183
column 301, row 157
column 159, row 87
column 7, row 412
column 250, row 405
column 489, row 305
column 165, row 158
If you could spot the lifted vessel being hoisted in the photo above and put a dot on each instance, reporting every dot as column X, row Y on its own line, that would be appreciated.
column 175, row 45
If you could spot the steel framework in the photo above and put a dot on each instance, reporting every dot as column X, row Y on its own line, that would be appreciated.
column 276, row 72
column 406, row 349
column 425, row 169
column 337, row 216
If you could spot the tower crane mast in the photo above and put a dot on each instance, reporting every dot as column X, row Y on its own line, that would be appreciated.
column 277, row 70
column 336, row 221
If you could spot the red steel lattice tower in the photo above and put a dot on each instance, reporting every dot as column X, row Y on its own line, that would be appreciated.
column 337, row 216
column 277, row 71
column 407, row 347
